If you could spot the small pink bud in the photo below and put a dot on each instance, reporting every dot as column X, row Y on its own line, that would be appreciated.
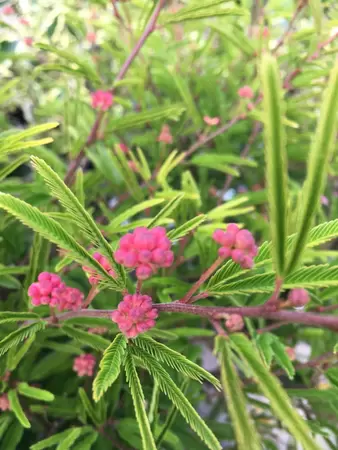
column 102, row 100
column 224, row 252
column 324, row 200
column 211, row 121
column 91, row 37
column 298, row 297
column 244, row 240
column 28, row 41
column 133, row 166
column 245, row 92
column 218, row 236
column 4, row 402
column 265, row 32
column 23, row 21
column 291, row 353
column 232, row 228
column 234, row 323
column 165, row 135
column 123, row 147
column 7, row 10
column 143, row 272
column 247, row 262
column 84, row 365
column 237, row 256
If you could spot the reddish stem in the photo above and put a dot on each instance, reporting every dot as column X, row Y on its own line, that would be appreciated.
column 187, row 298
column 91, row 295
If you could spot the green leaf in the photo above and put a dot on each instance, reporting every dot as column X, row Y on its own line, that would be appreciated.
column 84, row 66
column 169, row 164
column 227, row 271
column 263, row 342
column 12, row 148
column 72, row 205
column 19, row 335
column 184, row 229
column 33, row 392
column 9, row 316
column 335, row 348
column 88, row 407
column 246, row 434
column 17, row 409
column 316, row 11
column 53, row 231
column 175, row 360
column 319, row 158
column 137, row 120
column 15, row 356
column 51, row 441
column 110, row 366
column 12, row 166
column 236, row 37
column 169, row 388
column 13, row 437
column 214, row 162
column 69, row 440
column 87, row 442
column 183, row 88
column 130, row 212
column 276, row 160
column 228, row 209
column 166, row 211
column 29, row 132
column 282, row 357
column 133, row 380
column 78, row 187
column 271, row 388
column 85, row 338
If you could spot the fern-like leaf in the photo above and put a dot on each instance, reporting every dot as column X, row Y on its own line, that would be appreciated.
column 19, row 335
column 110, row 366
column 175, row 360
column 54, row 232
column 169, row 388
column 133, row 380
column 85, row 338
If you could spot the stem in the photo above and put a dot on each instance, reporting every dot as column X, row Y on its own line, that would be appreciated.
column 153, row 408
column 90, row 297
column 273, row 300
column 217, row 325
column 204, row 276
column 289, row 28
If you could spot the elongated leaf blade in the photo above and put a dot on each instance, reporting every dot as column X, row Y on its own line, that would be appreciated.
column 87, row 339
column 36, row 393
column 19, row 335
column 246, row 434
column 17, row 408
column 133, row 380
column 319, row 158
column 110, row 366
column 276, row 160
column 166, row 211
column 9, row 316
column 271, row 388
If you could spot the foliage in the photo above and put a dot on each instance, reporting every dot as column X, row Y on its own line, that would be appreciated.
column 222, row 112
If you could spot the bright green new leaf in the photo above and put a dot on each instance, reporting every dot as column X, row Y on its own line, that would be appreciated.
column 17, row 409
column 19, row 335
column 130, row 212
column 316, row 11
column 276, row 160
column 12, row 166
column 133, row 380
column 166, row 211
column 246, row 434
column 110, row 366
column 33, row 392
column 69, row 440
column 271, row 388
column 184, row 229
column 52, row 440
column 319, row 158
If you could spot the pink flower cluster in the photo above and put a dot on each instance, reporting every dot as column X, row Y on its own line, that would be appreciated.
column 7, row 10
column 165, row 135
column 94, row 278
column 50, row 290
column 239, row 245
column 234, row 323
column 102, row 100
column 146, row 250
column 84, row 365
column 4, row 402
column 298, row 297
column 135, row 314
column 245, row 92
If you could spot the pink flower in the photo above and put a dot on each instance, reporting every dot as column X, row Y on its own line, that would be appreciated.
column 245, row 92
column 46, row 290
column 123, row 147
column 291, row 353
column 239, row 245
column 98, row 330
column 133, row 166
column 28, row 41
column 234, row 323
column 298, row 297
column 69, row 298
column 102, row 100
column 91, row 37
column 7, row 10
column 135, row 314
column 250, row 106
column 94, row 277
column 84, row 365
column 146, row 250
column 265, row 32
column 211, row 121
column 165, row 135
column 4, row 402
column 23, row 21
column 324, row 200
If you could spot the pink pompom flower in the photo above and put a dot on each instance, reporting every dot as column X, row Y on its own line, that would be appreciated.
column 135, row 315
column 7, row 10
column 165, row 135
column 91, row 37
column 102, row 100
column 28, row 41
column 211, row 121
column 245, row 92
column 145, row 250
column 4, row 403
column 84, row 365
column 70, row 298
column 23, row 21
column 239, row 245
column 94, row 277
column 123, row 147
column 234, row 323
column 46, row 291
column 298, row 297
